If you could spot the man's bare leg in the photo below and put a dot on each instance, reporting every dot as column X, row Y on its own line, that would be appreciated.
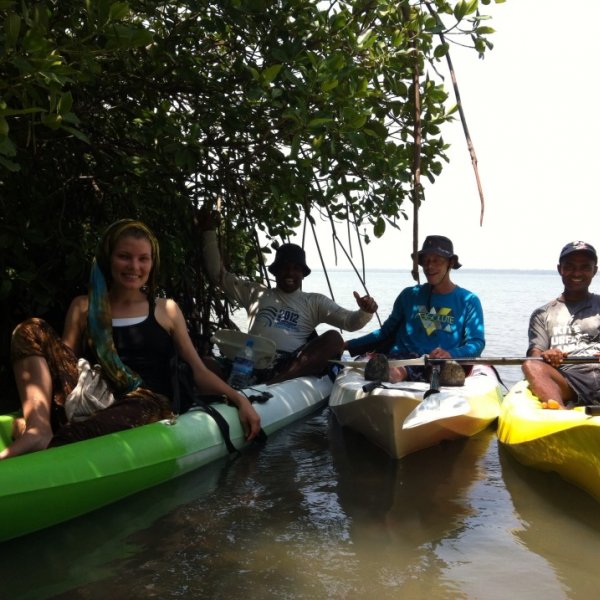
column 314, row 358
column 548, row 383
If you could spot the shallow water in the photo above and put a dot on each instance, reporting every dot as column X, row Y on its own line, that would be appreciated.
column 321, row 513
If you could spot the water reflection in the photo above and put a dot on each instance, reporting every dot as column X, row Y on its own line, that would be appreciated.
column 318, row 513
column 321, row 513
column 252, row 536
column 560, row 522
column 405, row 509
column 46, row 563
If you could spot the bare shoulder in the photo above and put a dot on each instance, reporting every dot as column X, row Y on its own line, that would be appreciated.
column 167, row 306
column 167, row 313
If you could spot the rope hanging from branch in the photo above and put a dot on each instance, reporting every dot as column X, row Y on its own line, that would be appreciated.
column 416, row 166
column 461, row 113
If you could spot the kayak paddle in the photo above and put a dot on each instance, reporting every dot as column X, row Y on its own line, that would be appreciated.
column 424, row 360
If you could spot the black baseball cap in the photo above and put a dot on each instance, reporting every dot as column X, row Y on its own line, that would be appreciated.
column 578, row 246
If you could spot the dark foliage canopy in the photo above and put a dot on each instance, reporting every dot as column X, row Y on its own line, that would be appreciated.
column 274, row 111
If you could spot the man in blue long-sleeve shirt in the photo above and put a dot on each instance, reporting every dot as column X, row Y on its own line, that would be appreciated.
column 438, row 318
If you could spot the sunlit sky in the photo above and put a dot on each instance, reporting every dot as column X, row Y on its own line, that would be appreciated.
column 532, row 111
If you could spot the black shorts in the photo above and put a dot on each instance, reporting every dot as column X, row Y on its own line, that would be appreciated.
column 281, row 363
column 585, row 382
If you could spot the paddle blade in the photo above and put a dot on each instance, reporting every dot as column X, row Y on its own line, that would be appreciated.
column 435, row 408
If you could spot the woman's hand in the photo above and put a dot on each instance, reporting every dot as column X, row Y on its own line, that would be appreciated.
column 249, row 418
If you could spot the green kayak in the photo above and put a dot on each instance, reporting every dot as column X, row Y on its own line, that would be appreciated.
column 45, row 488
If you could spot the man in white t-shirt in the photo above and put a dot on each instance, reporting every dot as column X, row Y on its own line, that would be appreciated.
column 567, row 326
column 286, row 314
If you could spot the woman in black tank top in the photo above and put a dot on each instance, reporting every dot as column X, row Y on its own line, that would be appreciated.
column 134, row 358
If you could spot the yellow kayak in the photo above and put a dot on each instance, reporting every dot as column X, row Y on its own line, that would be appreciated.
column 564, row 441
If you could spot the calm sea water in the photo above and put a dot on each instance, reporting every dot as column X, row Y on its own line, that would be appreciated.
column 321, row 513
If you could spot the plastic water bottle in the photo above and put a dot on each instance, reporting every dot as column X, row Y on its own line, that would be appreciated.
column 243, row 367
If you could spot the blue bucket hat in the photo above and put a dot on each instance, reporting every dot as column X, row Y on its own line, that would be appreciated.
column 440, row 245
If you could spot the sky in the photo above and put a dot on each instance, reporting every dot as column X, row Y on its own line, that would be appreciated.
column 532, row 112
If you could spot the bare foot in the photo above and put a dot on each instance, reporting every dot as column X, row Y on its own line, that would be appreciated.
column 552, row 405
column 31, row 440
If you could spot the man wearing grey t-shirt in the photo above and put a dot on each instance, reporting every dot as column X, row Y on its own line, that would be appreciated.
column 285, row 314
column 568, row 325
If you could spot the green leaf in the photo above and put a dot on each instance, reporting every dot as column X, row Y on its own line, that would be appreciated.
column 441, row 50
column 118, row 11
column 329, row 85
column 319, row 121
column 65, row 103
column 377, row 129
column 9, row 164
column 71, row 118
column 379, row 227
column 77, row 133
column 12, row 28
column 367, row 39
column 472, row 6
column 353, row 118
column 52, row 120
column 460, row 10
column 20, row 111
column 270, row 73
column 295, row 147
column 336, row 62
column 464, row 8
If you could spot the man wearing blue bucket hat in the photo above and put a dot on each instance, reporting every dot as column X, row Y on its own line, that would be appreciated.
column 437, row 318
column 285, row 314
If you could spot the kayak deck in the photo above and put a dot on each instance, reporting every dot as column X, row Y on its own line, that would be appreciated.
column 397, row 419
column 564, row 441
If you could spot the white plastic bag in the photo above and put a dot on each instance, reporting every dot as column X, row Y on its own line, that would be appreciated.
column 90, row 395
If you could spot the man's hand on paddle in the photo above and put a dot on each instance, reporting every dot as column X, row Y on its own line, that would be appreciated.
column 553, row 356
column 439, row 353
column 366, row 303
